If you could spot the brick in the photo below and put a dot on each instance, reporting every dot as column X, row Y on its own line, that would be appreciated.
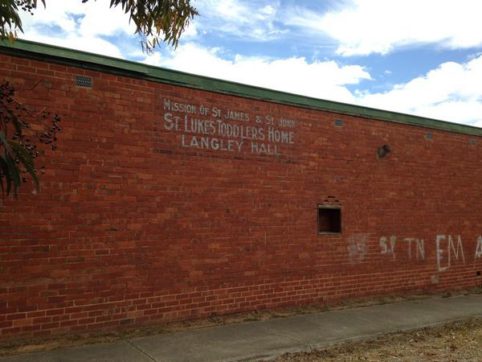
column 136, row 223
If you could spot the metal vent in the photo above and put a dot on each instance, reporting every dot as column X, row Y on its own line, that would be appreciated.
column 339, row 123
column 83, row 81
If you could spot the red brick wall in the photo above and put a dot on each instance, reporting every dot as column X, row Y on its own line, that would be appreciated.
column 135, row 226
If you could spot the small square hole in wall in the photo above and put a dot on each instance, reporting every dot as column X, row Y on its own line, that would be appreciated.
column 329, row 220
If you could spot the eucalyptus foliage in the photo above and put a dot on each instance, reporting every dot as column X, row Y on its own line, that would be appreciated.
column 9, row 16
column 155, row 20
column 23, row 132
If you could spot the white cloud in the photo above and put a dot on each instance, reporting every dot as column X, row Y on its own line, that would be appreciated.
column 79, row 26
column 325, row 79
column 452, row 92
column 86, row 44
column 363, row 27
column 253, row 20
column 89, row 19
column 191, row 31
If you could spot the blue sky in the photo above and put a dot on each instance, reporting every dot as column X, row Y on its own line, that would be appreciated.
column 421, row 57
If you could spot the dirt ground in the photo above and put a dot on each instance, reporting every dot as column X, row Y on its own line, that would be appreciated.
column 458, row 341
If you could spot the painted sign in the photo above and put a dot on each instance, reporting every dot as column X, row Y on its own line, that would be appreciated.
column 225, row 130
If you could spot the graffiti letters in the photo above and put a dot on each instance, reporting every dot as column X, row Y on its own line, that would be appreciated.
column 478, row 248
column 415, row 248
column 448, row 250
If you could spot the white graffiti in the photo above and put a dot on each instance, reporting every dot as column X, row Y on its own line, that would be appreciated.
column 357, row 247
column 478, row 248
column 415, row 249
column 445, row 255
column 419, row 248
column 387, row 245
column 449, row 249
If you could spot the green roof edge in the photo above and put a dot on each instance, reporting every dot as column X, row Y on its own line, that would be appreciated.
column 143, row 71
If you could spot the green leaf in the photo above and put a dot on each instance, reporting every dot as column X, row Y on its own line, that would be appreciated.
column 5, row 143
column 27, row 161
column 6, row 172
column 14, row 174
column 3, row 174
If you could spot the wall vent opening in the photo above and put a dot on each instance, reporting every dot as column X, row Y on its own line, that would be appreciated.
column 329, row 220
column 83, row 81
